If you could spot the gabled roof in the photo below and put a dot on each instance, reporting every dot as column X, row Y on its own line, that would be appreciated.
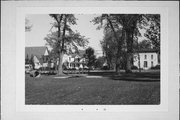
column 146, row 51
column 35, row 51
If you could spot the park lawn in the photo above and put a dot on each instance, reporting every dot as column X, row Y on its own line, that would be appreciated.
column 90, row 91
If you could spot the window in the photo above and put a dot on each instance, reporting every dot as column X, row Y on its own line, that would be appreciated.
column 145, row 56
column 145, row 64
column 151, row 63
column 151, row 56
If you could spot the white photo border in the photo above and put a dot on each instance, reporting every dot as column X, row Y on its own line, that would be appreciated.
column 20, row 55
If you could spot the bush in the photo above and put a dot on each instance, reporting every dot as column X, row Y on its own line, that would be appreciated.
column 73, row 68
column 134, row 67
column 105, row 68
column 157, row 67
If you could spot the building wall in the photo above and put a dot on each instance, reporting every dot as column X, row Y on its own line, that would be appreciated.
column 147, row 60
column 37, row 63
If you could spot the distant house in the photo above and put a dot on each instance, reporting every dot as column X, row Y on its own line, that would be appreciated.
column 146, row 58
column 40, row 56
column 75, row 60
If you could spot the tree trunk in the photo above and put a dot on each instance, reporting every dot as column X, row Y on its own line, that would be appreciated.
column 139, row 63
column 117, row 68
column 60, row 69
column 128, row 63
column 159, row 58
column 129, row 55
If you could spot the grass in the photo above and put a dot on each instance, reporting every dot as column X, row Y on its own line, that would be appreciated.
column 109, row 90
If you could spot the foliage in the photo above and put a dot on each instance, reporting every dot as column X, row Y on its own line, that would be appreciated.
column 29, row 60
column 142, row 45
column 153, row 30
column 64, row 40
column 125, row 24
column 157, row 67
column 99, row 62
column 90, row 57
column 128, row 25
column 134, row 67
column 70, row 41
column 110, row 47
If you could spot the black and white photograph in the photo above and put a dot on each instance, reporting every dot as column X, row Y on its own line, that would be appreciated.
column 87, row 60
column 92, row 59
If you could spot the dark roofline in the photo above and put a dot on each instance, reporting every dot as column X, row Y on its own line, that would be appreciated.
column 146, row 51
column 31, row 50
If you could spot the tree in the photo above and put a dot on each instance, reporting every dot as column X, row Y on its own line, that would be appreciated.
column 28, row 26
column 90, row 57
column 27, row 59
column 99, row 62
column 64, row 40
column 113, row 39
column 153, row 32
column 112, row 52
column 127, row 23
column 142, row 45
column 31, row 61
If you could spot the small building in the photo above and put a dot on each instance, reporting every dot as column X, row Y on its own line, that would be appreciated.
column 146, row 59
column 75, row 60
column 40, row 56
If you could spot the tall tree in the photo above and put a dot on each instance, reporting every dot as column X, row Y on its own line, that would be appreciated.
column 153, row 30
column 90, row 57
column 112, row 49
column 64, row 40
column 113, row 32
column 127, row 23
column 99, row 62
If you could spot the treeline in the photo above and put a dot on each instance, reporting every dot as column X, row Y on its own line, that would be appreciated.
column 121, row 33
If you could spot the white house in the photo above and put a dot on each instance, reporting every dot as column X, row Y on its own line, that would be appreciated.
column 39, row 54
column 75, row 60
column 146, row 59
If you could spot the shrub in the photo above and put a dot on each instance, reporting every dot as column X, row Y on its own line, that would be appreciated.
column 105, row 68
column 134, row 67
column 156, row 67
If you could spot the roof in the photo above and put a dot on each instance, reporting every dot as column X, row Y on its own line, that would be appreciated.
column 36, row 51
column 146, row 51
column 80, row 53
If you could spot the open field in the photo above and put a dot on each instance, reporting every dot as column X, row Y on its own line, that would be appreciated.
column 107, row 89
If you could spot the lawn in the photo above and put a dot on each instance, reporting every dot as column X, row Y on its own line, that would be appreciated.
column 108, row 90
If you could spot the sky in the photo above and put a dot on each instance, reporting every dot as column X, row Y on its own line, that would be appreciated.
column 42, row 25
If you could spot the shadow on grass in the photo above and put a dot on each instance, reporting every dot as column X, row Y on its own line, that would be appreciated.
column 135, row 76
column 135, row 79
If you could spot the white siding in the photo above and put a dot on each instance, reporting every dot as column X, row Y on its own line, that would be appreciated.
column 46, row 53
column 37, row 64
column 65, row 58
